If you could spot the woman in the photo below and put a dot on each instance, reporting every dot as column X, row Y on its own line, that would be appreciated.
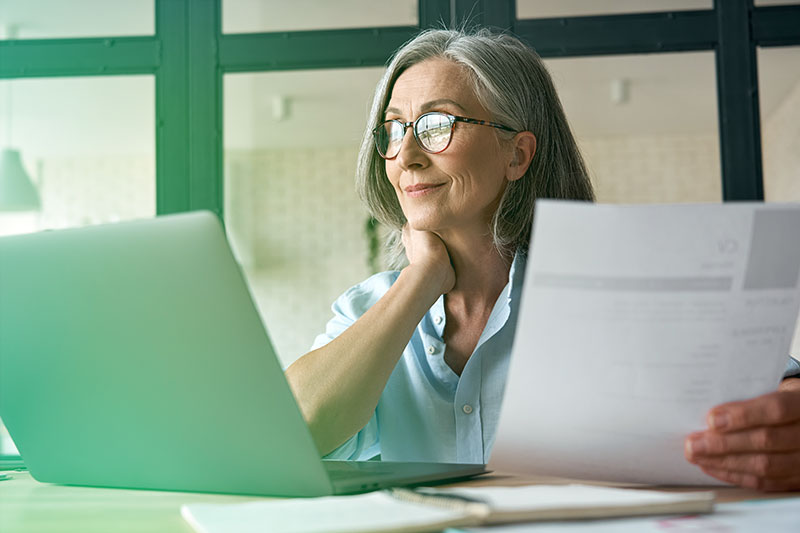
column 412, row 367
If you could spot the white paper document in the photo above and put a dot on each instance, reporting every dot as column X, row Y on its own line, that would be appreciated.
column 362, row 513
column 433, row 509
column 634, row 322
column 754, row 516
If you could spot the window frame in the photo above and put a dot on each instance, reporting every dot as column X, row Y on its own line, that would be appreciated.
column 189, row 55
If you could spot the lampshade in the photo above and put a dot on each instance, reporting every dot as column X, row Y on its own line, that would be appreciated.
column 17, row 191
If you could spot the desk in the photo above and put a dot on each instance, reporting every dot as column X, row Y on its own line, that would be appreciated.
column 29, row 506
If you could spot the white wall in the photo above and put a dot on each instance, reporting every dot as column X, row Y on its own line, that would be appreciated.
column 654, row 168
column 297, row 227
column 781, row 150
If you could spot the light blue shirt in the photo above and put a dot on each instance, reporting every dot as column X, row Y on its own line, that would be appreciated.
column 426, row 412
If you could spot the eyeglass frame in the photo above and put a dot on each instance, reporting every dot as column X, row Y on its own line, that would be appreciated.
column 451, row 118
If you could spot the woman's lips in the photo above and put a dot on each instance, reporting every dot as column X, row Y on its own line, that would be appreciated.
column 421, row 189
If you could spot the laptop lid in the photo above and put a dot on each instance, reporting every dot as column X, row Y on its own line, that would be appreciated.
column 132, row 355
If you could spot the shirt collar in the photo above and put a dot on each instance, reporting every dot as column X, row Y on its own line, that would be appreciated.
column 500, row 312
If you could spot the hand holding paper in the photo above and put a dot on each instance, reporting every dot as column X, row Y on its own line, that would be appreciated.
column 753, row 443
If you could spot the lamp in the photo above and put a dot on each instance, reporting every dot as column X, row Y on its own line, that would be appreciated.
column 17, row 191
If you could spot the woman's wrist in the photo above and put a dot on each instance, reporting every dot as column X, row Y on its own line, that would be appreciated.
column 429, row 278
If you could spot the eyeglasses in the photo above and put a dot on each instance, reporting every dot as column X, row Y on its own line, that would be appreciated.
column 433, row 132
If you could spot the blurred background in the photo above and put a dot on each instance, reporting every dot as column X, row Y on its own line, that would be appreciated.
column 113, row 110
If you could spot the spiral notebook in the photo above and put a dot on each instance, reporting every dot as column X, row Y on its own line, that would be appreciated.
column 431, row 509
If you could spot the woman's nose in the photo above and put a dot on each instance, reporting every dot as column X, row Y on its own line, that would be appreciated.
column 410, row 154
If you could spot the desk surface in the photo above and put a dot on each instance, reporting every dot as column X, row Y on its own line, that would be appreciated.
column 29, row 506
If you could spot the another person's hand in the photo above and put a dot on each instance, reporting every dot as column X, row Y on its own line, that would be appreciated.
column 427, row 250
column 753, row 443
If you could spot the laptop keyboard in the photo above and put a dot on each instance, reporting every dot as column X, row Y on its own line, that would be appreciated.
column 345, row 469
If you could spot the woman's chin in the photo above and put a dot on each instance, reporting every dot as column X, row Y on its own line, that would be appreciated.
column 424, row 225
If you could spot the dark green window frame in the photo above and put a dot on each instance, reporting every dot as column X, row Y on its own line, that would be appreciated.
column 188, row 55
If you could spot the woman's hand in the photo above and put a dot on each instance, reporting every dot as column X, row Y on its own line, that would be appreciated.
column 425, row 250
column 753, row 443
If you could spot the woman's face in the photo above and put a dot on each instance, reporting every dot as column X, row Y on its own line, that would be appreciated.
column 459, row 188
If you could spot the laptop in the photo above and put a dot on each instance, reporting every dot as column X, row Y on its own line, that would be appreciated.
column 132, row 356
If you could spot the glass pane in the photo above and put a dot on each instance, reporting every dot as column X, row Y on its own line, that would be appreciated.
column 761, row 3
column 86, row 147
column 646, row 124
column 779, row 96
column 528, row 9
column 252, row 16
column 87, row 144
column 43, row 19
column 291, row 211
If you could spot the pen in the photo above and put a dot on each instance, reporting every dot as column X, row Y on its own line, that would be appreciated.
column 440, row 499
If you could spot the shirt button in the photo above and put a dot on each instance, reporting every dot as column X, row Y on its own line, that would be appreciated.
column 438, row 320
column 431, row 350
column 467, row 408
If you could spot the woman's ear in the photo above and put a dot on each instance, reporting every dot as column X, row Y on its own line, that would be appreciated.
column 524, row 146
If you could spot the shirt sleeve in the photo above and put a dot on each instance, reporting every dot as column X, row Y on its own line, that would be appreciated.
column 348, row 308
column 792, row 368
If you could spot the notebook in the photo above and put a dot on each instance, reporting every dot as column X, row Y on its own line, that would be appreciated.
column 132, row 355
column 430, row 509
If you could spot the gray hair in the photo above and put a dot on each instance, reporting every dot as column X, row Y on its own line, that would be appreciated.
column 513, row 85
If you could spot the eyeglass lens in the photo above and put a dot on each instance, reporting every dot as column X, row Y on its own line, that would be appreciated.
column 432, row 130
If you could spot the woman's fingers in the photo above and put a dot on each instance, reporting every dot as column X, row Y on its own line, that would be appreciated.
column 767, row 465
column 775, row 408
column 766, row 438
column 752, row 481
column 753, row 443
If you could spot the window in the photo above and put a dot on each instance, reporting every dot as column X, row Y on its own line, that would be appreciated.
column 779, row 95
column 647, row 125
column 574, row 8
column 87, row 144
column 47, row 19
column 248, row 16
